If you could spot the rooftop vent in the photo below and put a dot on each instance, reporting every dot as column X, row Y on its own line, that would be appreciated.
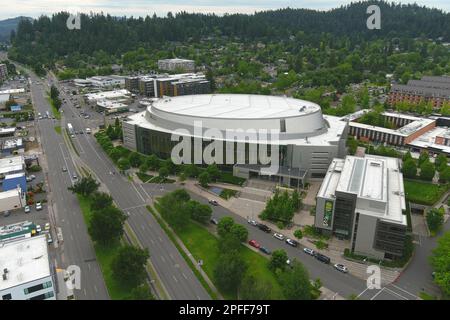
column 375, row 164
column 5, row 277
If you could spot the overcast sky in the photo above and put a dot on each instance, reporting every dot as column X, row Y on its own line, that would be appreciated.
column 34, row 8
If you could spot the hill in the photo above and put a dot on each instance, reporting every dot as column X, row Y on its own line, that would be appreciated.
column 6, row 26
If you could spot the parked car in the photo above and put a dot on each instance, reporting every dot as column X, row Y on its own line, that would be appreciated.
column 27, row 209
column 264, row 228
column 32, row 177
column 49, row 238
column 309, row 251
column 252, row 222
column 322, row 258
column 213, row 202
column 6, row 213
column 340, row 267
column 28, row 178
column 88, row 130
column 38, row 206
column 291, row 242
column 254, row 244
column 64, row 169
column 265, row 250
column 278, row 236
column 74, row 176
column 47, row 226
column 214, row 221
column 38, row 228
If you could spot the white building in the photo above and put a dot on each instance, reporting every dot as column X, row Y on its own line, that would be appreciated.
column 363, row 200
column 307, row 140
column 11, row 165
column 114, row 95
column 176, row 64
column 25, row 269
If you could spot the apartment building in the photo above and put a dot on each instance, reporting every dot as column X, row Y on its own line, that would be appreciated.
column 3, row 72
column 435, row 90
column 176, row 64
column 363, row 200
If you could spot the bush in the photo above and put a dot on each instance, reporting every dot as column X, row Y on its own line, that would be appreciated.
column 35, row 168
column 298, row 234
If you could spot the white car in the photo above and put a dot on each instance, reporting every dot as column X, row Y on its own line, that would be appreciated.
column 38, row 206
column 309, row 251
column 252, row 222
column 27, row 209
column 340, row 267
column 279, row 236
column 38, row 228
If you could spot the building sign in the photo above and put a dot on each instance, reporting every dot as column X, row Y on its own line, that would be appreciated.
column 328, row 214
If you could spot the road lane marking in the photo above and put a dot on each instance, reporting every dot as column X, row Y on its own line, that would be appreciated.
column 95, row 288
column 174, row 278
column 395, row 294
column 378, row 293
column 184, row 276
column 407, row 292
column 359, row 295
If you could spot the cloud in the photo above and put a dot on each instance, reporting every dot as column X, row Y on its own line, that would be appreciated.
column 35, row 8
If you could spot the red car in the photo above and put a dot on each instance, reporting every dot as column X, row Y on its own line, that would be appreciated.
column 254, row 244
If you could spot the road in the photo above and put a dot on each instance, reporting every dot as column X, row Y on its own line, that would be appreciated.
column 175, row 274
column 64, row 210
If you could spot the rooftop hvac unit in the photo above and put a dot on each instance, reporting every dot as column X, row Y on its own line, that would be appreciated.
column 5, row 277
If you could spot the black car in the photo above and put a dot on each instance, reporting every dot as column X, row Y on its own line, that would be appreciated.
column 265, row 250
column 322, row 258
column 264, row 228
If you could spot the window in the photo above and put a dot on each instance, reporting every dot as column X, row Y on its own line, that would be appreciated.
column 38, row 287
column 7, row 297
column 43, row 296
column 282, row 125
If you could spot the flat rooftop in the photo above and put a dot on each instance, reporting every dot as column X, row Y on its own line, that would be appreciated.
column 376, row 181
column 108, row 94
column 427, row 140
column 11, row 164
column 236, row 106
column 26, row 260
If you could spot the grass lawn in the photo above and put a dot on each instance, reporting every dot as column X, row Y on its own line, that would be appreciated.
column 105, row 255
column 143, row 176
column 424, row 192
column 228, row 193
column 58, row 129
column 158, row 179
column 205, row 246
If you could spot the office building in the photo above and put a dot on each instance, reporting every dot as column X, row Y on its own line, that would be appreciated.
column 26, row 271
column 363, row 200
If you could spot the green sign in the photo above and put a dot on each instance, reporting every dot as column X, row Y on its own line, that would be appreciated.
column 328, row 214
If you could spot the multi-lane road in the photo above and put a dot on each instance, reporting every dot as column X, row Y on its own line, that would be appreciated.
column 173, row 271
column 64, row 210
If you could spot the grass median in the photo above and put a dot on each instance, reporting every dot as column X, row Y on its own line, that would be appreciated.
column 425, row 193
column 105, row 255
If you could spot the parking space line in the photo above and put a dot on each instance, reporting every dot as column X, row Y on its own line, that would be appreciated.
column 405, row 291
column 377, row 293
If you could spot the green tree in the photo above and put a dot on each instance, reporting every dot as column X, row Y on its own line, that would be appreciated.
column 106, row 225
column 444, row 175
column 142, row 292
column 427, row 171
column 153, row 162
column 407, row 156
column 135, row 159
column 128, row 267
column 204, row 179
column 229, row 271
column 143, row 168
column 229, row 242
column 278, row 260
column 296, row 200
column 409, row 168
column 100, row 200
column 123, row 164
column 435, row 219
column 298, row 234
column 213, row 171
column 440, row 260
column 163, row 172
column 240, row 232
column 441, row 162
column 85, row 187
column 191, row 170
column 424, row 157
column 224, row 226
column 199, row 212
column 295, row 282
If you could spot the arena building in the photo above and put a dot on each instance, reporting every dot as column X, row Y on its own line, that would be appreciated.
column 305, row 145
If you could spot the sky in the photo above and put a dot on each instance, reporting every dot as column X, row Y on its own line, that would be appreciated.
column 35, row 8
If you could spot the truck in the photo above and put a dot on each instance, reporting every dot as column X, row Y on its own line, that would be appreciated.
column 70, row 129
